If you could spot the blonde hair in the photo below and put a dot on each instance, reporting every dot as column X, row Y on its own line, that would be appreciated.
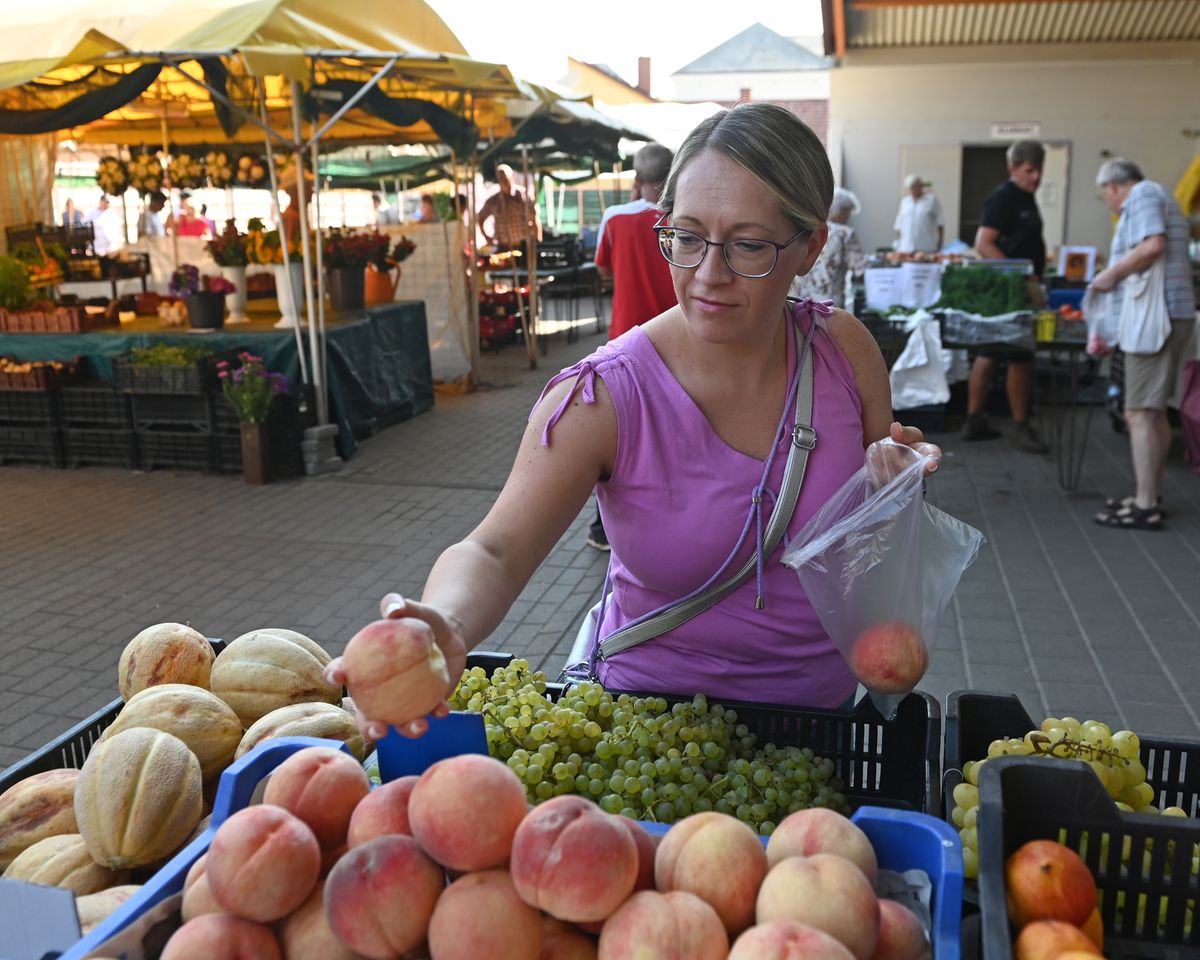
column 773, row 145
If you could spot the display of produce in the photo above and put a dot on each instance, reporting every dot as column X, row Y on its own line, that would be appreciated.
column 983, row 290
column 562, row 880
column 150, row 772
column 640, row 757
column 1113, row 757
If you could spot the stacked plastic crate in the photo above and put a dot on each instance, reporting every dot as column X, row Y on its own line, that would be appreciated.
column 96, row 421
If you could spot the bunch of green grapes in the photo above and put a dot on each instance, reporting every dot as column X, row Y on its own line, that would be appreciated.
column 640, row 756
column 1113, row 756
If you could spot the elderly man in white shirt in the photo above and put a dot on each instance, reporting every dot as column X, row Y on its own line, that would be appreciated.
column 919, row 225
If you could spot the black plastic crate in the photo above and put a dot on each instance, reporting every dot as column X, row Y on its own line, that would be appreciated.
column 198, row 377
column 29, row 406
column 974, row 718
column 30, row 444
column 95, row 404
column 289, row 418
column 71, row 748
column 1024, row 799
column 229, row 452
column 99, row 447
column 884, row 763
column 152, row 409
column 180, row 449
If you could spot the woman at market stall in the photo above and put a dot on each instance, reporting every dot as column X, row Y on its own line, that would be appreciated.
column 841, row 257
column 683, row 427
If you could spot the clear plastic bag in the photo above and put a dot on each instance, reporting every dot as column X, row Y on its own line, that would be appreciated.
column 1104, row 328
column 879, row 566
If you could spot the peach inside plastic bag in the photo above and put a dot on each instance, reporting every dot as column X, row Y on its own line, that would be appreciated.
column 879, row 566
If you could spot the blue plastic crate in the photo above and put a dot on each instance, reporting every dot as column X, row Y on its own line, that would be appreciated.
column 1066, row 297
column 234, row 792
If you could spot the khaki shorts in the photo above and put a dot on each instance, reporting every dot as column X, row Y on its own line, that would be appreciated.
column 1150, row 377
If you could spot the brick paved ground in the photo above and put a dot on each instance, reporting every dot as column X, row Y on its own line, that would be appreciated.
column 1072, row 617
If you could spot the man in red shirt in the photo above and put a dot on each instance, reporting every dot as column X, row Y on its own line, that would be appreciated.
column 627, row 250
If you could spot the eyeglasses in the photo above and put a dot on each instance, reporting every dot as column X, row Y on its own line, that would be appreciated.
column 752, row 259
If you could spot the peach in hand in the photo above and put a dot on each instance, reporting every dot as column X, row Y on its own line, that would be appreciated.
column 395, row 670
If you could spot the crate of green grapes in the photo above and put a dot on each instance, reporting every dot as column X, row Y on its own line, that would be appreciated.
column 660, row 758
column 1141, row 774
column 1146, row 866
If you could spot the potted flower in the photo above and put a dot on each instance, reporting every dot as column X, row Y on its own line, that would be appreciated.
column 380, row 284
column 205, row 307
column 251, row 390
column 228, row 249
column 346, row 254
column 266, row 247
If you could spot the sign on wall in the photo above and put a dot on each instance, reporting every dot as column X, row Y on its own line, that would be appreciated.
column 1016, row 130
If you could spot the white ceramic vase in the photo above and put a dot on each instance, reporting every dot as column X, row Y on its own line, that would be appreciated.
column 289, row 291
column 237, row 299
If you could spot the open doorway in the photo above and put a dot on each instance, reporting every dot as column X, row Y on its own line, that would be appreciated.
column 983, row 169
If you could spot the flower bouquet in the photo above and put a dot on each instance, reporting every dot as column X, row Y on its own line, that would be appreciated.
column 403, row 249
column 218, row 168
column 204, row 297
column 354, row 249
column 266, row 246
column 145, row 173
column 186, row 171
column 112, row 176
column 228, row 248
column 250, row 171
column 251, row 389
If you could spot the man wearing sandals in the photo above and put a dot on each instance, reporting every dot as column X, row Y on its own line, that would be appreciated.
column 1151, row 226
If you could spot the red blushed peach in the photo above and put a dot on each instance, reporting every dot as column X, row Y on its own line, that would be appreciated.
column 719, row 859
column 664, row 926
column 889, row 658
column 480, row 915
column 380, row 896
column 395, row 671
column 381, row 812
column 826, row 892
column 564, row 941
column 573, row 861
column 307, row 935
column 321, row 786
column 646, row 848
column 465, row 810
column 1050, row 939
column 262, row 863
column 1046, row 881
column 220, row 936
column 901, row 933
column 197, row 894
column 818, row 830
column 787, row 940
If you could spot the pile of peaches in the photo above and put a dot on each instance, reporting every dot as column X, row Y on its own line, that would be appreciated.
column 455, row 864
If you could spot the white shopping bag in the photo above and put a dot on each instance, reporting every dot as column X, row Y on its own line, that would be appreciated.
column 919, row 373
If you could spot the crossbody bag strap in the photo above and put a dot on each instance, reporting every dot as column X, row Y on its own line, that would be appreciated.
column 804, row 438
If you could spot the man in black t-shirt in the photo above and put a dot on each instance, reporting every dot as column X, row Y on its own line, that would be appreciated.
column 1010, row 228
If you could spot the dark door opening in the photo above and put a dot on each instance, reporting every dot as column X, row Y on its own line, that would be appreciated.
column 983, row 170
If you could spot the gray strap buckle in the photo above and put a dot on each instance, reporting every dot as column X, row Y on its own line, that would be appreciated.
column 804, row 436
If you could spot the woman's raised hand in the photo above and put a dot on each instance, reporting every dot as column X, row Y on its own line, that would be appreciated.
column 913, row 437
column 886, row 461
column 440, row 630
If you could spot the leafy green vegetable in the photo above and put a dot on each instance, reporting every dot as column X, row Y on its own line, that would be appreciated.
column 983, row 290
column 162, row 355
column 14, row 284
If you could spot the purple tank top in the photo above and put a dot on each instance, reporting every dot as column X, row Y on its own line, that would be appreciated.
column 677, row 502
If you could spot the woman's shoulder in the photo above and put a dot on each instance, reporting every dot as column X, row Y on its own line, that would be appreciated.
column 858, row 347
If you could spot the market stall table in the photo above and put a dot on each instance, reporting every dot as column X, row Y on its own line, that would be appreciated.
column 378, row 361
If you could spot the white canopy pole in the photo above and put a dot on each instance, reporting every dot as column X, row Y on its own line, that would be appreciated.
column 306, row 260
column 262, row 103
column 321, row 343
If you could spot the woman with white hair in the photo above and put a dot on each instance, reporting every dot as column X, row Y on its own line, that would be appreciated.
column 842, row 255
column 920, row 226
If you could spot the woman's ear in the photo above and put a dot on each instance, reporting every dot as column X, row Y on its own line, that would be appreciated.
column 812, row 247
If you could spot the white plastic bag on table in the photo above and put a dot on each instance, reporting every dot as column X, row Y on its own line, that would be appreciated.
column 879, row 565
column 919, row 374
column 1104, row 327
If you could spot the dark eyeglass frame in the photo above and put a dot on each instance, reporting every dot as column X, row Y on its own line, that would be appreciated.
column 660, row 227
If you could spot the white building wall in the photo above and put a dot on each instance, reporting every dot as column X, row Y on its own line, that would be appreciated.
column 1131, row 100
column 794, row 85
